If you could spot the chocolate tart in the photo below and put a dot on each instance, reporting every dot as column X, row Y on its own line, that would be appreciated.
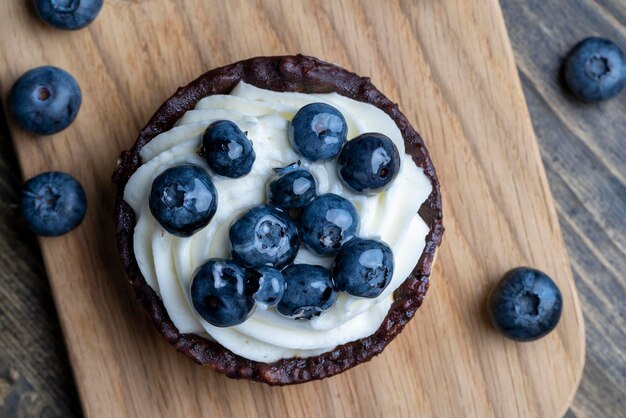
column 297, row 74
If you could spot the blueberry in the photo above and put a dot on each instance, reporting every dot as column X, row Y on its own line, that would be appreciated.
column 218, row 293
column 309, row 291
column 363, row 267
column 368, row 163
column 227, row 149
column 318, row 131
column 327, row 223
column 45, row 100
column 291, row 187
column 53, row 203
column 264, row 236
column 68, row 14
column 595, row 69
column 183, row 199
column 525, row 305
column 266, row 285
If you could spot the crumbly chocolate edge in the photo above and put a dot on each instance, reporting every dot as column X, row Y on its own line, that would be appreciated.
column 282, row 73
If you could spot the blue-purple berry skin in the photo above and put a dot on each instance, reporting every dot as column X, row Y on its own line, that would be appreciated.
column 363, row 267
column 264, row 236
column 327, row 223
column 68, row 14
column 369, row 163
column 291, row 187
column 53, row 203
column 227, row 149
column 525, row 305
column 595, row 69
column 45, row 100
column 309, row 291
column 218, row 293
column 266, row 285
column 318, row 131
column 183, row 199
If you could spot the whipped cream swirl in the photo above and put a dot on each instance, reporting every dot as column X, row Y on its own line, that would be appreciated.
column 168, row 262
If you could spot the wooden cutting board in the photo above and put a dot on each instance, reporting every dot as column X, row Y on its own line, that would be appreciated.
column 449, row 65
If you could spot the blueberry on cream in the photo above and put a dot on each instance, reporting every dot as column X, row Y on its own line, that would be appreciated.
column 267, row 285
column 264, row 236
column 369, row 163
column 318, row 131
column 363, row 267
column 291, row 187
column 227, row 149
column 327, row 223
column 309, row 291
column 183, row 199
column 218, row 293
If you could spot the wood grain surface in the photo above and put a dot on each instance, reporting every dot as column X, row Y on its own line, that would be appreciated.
column 584, row 153
column 438, row 106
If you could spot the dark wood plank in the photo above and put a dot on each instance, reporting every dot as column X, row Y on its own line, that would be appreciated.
column 583, row 149
column 585, row 158
column 35, row 375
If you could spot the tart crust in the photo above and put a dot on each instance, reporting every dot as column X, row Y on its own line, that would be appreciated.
column 282, row 73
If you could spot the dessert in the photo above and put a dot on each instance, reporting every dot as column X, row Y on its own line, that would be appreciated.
column 313, row 330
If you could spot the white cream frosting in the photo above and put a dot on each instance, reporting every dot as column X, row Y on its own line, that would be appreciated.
column 167, row 262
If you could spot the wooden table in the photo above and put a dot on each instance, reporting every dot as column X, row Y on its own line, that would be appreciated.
column 584, row 155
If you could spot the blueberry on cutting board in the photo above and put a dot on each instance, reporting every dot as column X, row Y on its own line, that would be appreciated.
column 68, row 14
column 53, row 203
column 525, row 305
column 595, row 70
column 45, row 100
